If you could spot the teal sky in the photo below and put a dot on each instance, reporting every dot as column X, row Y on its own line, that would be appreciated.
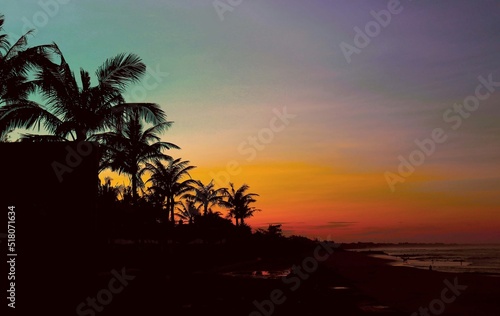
column 220, row 81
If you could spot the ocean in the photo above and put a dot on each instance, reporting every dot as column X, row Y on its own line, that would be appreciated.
column 448, row 258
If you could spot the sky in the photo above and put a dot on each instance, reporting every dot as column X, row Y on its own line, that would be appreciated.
column 363, row 120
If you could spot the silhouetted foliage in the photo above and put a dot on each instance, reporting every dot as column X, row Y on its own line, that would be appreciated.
column 206, row 195
column 238, row 202
column 106, row 193
column 275, row 231
column 128, row 137
column 17, row 61
column 167, row 179
column 187, row 211
column 129, row 148
column 213, row 227
column 78, row 112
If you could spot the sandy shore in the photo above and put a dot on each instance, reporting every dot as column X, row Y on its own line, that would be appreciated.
column 408, row 289
column 347, row 283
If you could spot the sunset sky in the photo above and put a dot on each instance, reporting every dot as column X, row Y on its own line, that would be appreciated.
column 279, row 95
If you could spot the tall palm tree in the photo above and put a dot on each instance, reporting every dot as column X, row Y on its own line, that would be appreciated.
column 206, row 195
column 238, row 202
column 17, row 62
column 131, row 147
column 167, row 181
column 77, row 113
column 187, row 210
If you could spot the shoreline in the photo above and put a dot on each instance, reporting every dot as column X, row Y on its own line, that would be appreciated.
column 407, row 289
column 441, row 264
column 345, row 283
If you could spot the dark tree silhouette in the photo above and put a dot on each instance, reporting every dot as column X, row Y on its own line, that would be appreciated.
column 238, row 202
column 106, row 193
column 206, row 195
column 273, row 231
column 167, row 181
column 187, row 211
column 131, row 147
column 77, row 113
column 16, row 62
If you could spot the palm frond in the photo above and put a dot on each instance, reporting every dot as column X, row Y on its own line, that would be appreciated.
column 18, row 46
column 33, row 138
column 121, row 70
column 27, row 114
column 151, row 134
column 85, row 78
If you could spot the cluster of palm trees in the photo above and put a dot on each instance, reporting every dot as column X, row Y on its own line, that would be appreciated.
column 173, row 187
column 70, row 108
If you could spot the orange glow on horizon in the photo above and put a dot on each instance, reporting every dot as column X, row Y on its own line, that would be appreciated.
column 314, row 201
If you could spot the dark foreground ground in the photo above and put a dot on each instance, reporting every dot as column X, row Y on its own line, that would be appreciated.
column 344, row 283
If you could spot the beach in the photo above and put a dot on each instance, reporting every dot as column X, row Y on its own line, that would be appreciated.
column 458, row 258
column 408, row 289
column 346, row 283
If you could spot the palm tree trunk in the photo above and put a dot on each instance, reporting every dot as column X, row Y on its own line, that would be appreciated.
column 134, row 189
column 172, row 209
column 168, row 208
column 134, row 186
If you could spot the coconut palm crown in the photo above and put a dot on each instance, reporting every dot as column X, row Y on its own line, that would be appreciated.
column 73, row 111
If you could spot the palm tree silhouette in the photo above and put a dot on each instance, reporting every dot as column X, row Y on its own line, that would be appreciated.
column 16, row 63
column 238, row 202
column 167, row 181
column 131, row 147
column 187, row 211
column 77, row 113
column 206, row 195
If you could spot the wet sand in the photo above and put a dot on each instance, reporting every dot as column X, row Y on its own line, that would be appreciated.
column 408, row 289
